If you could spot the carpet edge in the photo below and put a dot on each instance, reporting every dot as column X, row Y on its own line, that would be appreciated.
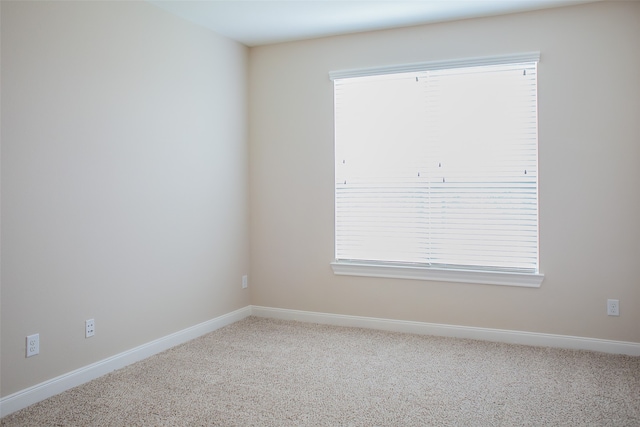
column 469, row 332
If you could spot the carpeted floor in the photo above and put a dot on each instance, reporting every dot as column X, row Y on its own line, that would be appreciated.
column 264, row 372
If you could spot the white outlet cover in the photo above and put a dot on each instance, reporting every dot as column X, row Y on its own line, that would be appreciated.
column 90, row 328
column 33, row 345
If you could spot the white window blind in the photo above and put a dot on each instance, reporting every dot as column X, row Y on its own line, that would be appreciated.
column 438, row 167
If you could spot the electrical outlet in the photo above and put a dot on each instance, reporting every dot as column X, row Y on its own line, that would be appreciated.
column 245, row 282
column 90, row 328
column 33, row 345
column 613, row 307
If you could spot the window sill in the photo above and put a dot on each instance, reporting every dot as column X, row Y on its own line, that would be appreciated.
column 354, row 268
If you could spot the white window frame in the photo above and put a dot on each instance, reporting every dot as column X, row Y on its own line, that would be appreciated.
column 420, row 272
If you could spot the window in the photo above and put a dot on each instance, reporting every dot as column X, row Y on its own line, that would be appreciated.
column 436, row 171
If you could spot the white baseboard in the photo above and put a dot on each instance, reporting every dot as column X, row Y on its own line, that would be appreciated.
column 44, row 390
column 486, row 334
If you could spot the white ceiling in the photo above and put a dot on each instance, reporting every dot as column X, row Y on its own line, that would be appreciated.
column 258, row 22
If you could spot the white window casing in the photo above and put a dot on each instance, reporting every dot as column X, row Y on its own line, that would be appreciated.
column 436, row 171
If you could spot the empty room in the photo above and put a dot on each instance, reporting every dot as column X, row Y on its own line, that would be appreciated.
column 320, row 213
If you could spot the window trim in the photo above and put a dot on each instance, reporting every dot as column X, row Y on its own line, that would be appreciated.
column 417, row 272
column 437, row 65
column 420, row 272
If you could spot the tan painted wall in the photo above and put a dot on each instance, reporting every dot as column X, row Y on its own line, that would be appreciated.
column 589, row 148
column 124, row 177
column 124, row 181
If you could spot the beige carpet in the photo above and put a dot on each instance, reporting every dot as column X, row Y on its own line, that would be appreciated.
column 262, row 372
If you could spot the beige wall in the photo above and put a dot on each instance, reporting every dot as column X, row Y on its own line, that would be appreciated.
column 589, row 139
column 125, row 171
column 124, row 181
